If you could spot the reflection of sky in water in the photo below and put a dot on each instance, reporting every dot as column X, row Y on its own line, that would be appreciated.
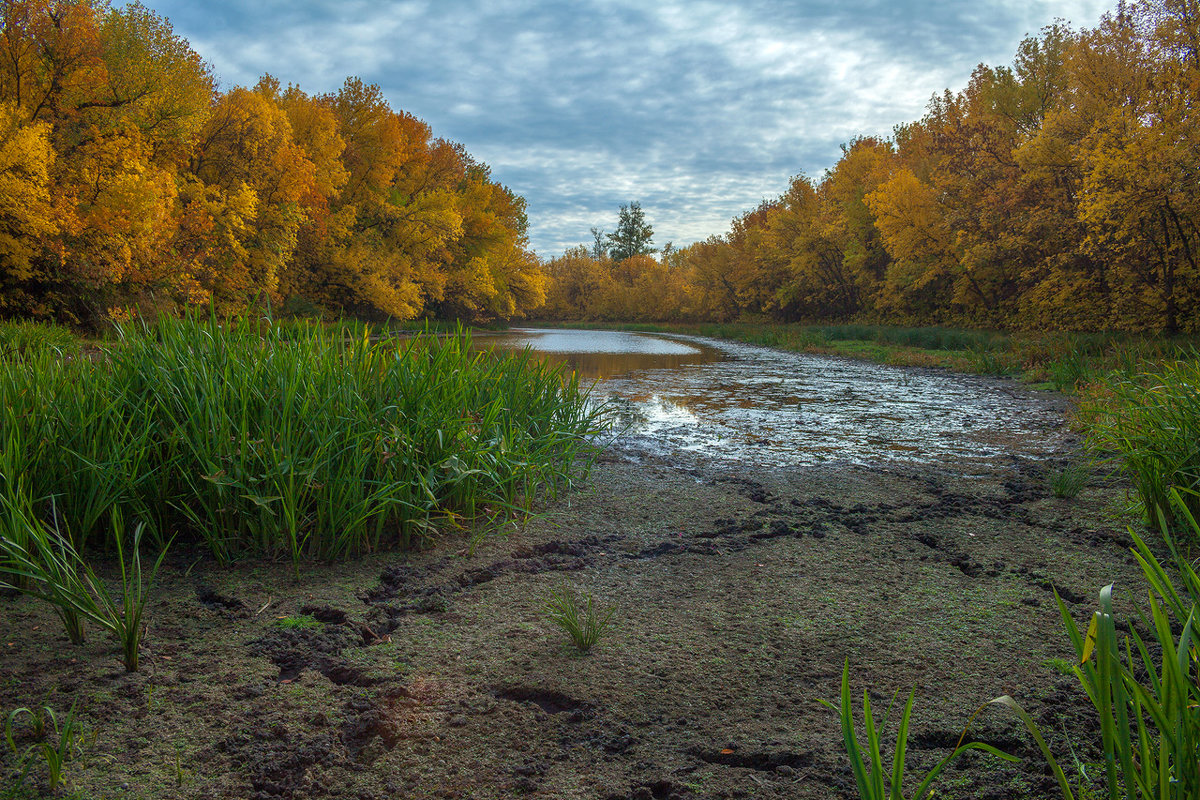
column 746, row 403
column 596, row 355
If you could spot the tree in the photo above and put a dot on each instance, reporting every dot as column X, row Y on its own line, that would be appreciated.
column 633, row 236
column 599, row 247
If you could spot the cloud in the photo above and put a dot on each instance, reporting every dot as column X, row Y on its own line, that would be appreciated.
column 698, row 109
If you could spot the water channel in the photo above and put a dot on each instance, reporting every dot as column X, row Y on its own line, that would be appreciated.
column 684, row 396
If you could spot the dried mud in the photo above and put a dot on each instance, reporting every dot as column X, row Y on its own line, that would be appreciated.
column 738, row 594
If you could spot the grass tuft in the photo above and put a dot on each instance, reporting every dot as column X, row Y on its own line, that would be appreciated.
column 866, row 762
column 1150, row 422
column 580, row 618
column 55, row 744
column 1069, row 481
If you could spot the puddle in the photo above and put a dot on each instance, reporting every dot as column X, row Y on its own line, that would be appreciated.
column 735, row 402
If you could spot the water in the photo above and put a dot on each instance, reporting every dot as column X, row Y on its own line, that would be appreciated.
column 687, row 396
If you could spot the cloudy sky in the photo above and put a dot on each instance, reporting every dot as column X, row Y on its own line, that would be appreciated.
column 699, row 110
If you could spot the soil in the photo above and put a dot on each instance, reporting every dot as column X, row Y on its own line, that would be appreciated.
column 738, row 594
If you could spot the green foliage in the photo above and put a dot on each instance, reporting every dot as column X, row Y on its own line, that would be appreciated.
column 1145, row 689
column 124, row 618
column 582, row 621
column 1150, row 422
column 991, row 362
column 633, row 236
column 867, row 762
column 54, row 744
column 1070, row 480
column 42, row 564
column 21, row 338
column 50, row 569
column 292, row 440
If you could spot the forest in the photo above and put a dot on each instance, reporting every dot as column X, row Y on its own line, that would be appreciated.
column 130, row 184
column 1058, row 193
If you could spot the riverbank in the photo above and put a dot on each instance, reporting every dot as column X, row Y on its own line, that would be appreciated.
column 737, row 596
column 1057, row 361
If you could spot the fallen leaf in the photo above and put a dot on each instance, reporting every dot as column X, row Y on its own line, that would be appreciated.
column 727, row 752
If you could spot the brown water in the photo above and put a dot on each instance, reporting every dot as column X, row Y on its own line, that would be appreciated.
column 683, row 396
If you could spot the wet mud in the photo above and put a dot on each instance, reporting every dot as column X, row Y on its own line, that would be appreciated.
column 738, row 596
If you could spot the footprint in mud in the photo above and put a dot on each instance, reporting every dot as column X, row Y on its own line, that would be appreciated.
column 294, row 650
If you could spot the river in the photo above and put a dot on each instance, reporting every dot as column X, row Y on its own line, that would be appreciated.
column 682, row 397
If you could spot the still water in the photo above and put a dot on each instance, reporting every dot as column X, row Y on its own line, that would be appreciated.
column 683, row 395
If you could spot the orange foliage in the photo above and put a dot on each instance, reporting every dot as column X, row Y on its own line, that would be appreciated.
column 1058, row 192
column 126, row 179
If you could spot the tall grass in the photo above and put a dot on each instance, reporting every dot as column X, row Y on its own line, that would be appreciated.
column 294, row 441
column 43, row 564
column 1145, row 688
column 23, row 338
column 1150, row 422
column 866, row 760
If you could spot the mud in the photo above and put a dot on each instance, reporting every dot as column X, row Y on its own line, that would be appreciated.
column 738, row 593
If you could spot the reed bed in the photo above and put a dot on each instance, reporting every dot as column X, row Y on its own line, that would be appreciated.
column 296, row 440
column 20, row 338
column 1149, row 421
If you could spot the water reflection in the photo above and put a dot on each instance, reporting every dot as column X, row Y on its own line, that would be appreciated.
column 594, row 355
column 722, row 400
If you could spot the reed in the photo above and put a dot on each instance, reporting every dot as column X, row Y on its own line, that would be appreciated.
column 1150, row 423
column 866, row 761
column 124, row 618
column 295, row 440
column 24, row 338
column 44, row 565
column 1145, row 688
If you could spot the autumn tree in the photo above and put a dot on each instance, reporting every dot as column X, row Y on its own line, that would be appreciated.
column 27, row 219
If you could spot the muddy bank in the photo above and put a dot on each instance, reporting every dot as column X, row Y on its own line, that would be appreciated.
column 739, row 594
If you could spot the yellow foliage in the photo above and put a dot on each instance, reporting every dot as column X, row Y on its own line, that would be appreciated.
column 27, row 219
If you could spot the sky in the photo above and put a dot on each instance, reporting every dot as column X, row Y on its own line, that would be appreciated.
column 697, row 110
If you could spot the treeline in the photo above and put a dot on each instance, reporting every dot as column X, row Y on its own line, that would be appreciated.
column 128, row 180
column 1057, row 193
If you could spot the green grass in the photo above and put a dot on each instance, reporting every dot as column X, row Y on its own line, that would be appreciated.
column 1150, row 423
column 579, row 618
column 299, row 622
column 18, row 339
column 56, row 743
column 866, row 759
column 293, row 440
column 1145, row 687
column 1069, row 481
